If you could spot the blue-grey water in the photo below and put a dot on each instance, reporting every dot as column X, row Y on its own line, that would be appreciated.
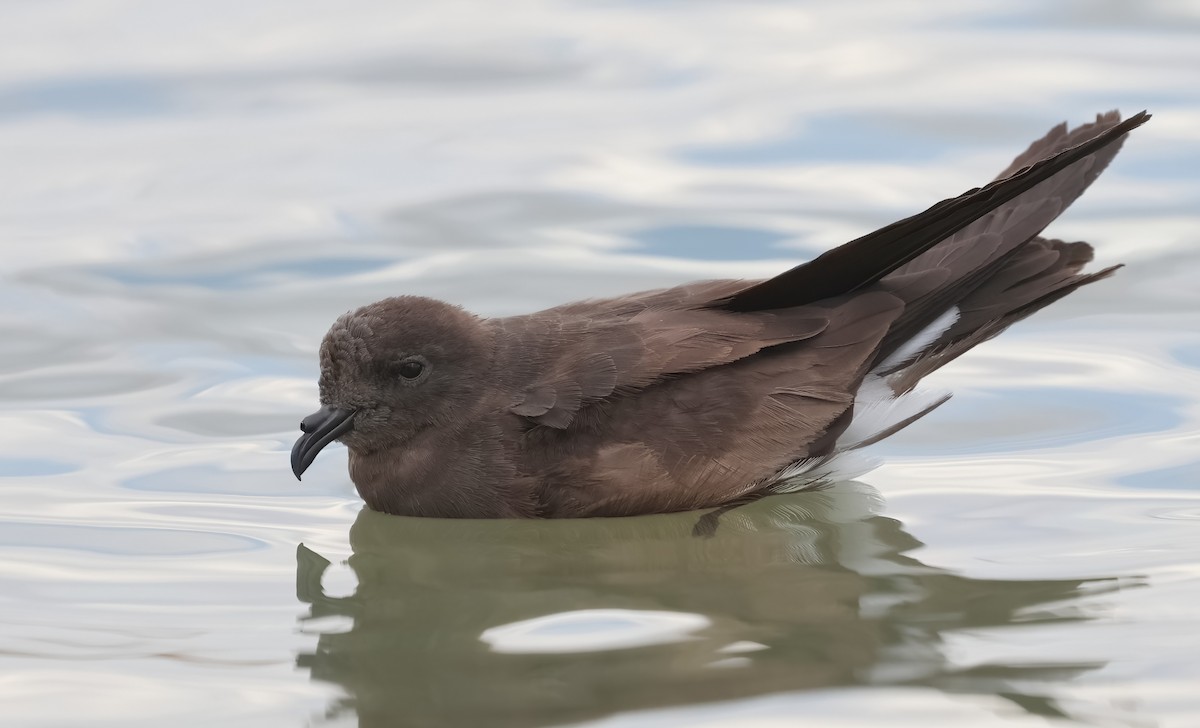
column 192, row 192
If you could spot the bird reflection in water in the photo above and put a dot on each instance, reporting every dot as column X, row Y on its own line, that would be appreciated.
column 517, row 623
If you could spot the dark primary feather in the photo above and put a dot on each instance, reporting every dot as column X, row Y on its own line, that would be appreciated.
column 865, row 260
column 706, row 393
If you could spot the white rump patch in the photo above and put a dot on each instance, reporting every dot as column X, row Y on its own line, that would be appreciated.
column 921, row 341
column 877, row 409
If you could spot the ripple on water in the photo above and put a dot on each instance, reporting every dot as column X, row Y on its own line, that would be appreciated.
column 178, row 236
column 228, row 422
column 710, row 242
column 998, row 420
column 1177, row 514
column 32, row 467
column 124, row 541
column 591, row 630
column 83, row 384
column 1179, row 477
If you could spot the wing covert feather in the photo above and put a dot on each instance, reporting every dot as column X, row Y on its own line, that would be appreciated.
column 560, row 362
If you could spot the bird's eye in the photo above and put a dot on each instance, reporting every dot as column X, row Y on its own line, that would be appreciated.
column 411, row 369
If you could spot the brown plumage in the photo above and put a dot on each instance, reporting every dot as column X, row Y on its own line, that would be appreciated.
column 705, row 394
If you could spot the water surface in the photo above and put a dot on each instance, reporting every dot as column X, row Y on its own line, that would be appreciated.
column 193, row 193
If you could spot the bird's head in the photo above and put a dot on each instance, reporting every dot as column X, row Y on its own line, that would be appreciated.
column 392, row 369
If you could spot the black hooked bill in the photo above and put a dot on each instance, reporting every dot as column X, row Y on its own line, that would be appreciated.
column 320, row 428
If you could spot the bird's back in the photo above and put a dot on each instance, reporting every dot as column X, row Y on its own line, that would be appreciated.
column 716, row 391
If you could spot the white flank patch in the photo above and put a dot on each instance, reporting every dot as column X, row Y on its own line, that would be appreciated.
column 877, row 408
column 816, row 472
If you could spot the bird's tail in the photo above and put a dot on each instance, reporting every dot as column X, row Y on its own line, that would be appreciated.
column 996, row 271
column 967, row 289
